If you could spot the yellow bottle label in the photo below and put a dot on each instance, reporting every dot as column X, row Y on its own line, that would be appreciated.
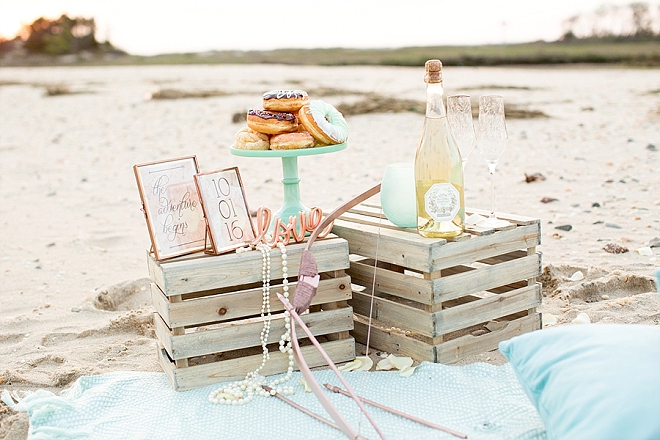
column 442, row 202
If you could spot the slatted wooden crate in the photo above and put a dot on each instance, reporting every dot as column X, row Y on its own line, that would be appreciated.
column 208, row 309
column 440, row 300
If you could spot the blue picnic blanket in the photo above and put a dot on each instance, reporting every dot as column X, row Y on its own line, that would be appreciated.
column 480, row 400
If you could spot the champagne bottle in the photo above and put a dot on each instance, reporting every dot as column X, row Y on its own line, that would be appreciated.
column 438, row 169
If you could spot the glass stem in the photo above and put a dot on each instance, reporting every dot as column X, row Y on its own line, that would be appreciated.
column 492, row 195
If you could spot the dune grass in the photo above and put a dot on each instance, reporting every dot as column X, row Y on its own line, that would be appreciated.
column 628, row 53
column 640, row 53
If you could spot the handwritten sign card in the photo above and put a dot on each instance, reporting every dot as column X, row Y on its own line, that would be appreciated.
column 171, row 206
column 225, row 208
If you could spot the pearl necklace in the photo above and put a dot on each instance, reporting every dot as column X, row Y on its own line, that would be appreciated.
column 243, row 391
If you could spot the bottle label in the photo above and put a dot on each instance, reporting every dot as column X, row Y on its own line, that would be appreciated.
column 442, row 202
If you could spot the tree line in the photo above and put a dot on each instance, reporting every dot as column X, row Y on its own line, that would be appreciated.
column 633, row 22
column 60, row 36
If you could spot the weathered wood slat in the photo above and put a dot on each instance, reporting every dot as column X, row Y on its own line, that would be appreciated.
column 391, row 282
column 366, row 209
column 478, row 230
column 506, row 257
column 206, row 272
column 394, row 314
column 161, row 304
column 242, row 303
column 374, row 210
column 235, row 369
column 485, row 278
column 398, row 247
column 517, row 219
column 244, row 333
column 447, row 287
column 435, row 324
column 446, row 352
column 488, row 246
column 357, row 217
column 392, row 342
column 452, row 351
column 378, row 221
column 465, row 315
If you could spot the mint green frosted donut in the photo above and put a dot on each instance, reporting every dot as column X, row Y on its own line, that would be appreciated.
column 329, row 120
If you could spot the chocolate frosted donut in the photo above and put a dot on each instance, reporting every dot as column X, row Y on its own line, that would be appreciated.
column 285, row 100
column 271, row 122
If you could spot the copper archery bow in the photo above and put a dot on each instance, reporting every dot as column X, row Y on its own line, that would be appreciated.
column 308, row 280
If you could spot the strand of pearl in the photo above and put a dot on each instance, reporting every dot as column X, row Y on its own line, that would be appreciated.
column 243, row 391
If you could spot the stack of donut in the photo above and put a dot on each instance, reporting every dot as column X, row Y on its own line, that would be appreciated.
column 289, row 120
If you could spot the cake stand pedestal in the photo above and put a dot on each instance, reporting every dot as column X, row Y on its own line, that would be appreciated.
column 292, row 204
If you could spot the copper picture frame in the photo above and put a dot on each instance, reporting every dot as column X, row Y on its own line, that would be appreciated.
column 226, row 211
column 171, row 206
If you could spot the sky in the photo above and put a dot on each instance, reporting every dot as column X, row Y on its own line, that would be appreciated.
column 149, row 27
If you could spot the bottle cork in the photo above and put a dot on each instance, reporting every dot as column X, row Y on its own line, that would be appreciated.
column 433, row 71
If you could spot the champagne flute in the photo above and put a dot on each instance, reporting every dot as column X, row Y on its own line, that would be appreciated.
column 491, row 140
column 459, row 115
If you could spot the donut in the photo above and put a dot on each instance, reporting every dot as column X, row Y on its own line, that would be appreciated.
column 324, row 122
column 291, row 141
column 248, row 139
column 269, row 122
column 285, row 100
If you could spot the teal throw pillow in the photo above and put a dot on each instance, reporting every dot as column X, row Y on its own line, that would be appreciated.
column 593, row 381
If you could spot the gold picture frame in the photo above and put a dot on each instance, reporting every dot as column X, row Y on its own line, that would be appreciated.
column 226, row 211
column 171, row 206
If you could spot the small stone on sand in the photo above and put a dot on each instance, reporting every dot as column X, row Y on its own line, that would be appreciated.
column 614, row 248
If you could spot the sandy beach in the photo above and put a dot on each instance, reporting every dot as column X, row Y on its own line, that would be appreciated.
column 74, row 297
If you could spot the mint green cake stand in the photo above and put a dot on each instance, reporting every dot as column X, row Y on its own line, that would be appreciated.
column 292, row 204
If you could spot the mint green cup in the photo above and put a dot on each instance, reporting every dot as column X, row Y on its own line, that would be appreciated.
column 397, row 195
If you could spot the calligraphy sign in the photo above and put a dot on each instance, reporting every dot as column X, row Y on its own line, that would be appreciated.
column 171, row 206
column 225, row 208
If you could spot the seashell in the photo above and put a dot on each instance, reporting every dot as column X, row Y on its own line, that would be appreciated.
column 400, row 362
column 474, row 219
column 548, row 319
column 581, row 318
column 384, row 364
column 407, row 372
column 304, row 384
column 350, row 366
column 646, row 251
column 367, row 363
column 577, row 276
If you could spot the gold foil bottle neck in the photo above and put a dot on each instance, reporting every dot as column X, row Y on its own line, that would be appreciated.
column 433, row 72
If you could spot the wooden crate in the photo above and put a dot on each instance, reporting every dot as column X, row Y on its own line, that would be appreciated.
column 208, row 309
column 440, row 300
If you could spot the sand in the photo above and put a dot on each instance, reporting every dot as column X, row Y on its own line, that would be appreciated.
column 74, row 292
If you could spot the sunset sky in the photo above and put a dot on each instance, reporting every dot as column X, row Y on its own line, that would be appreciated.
column 150, row 27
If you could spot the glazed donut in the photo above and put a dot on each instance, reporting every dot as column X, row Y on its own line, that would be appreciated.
column 324, row 122
column 265, row 121
column 248, row 139
column 285, row 100
column 291, row 141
